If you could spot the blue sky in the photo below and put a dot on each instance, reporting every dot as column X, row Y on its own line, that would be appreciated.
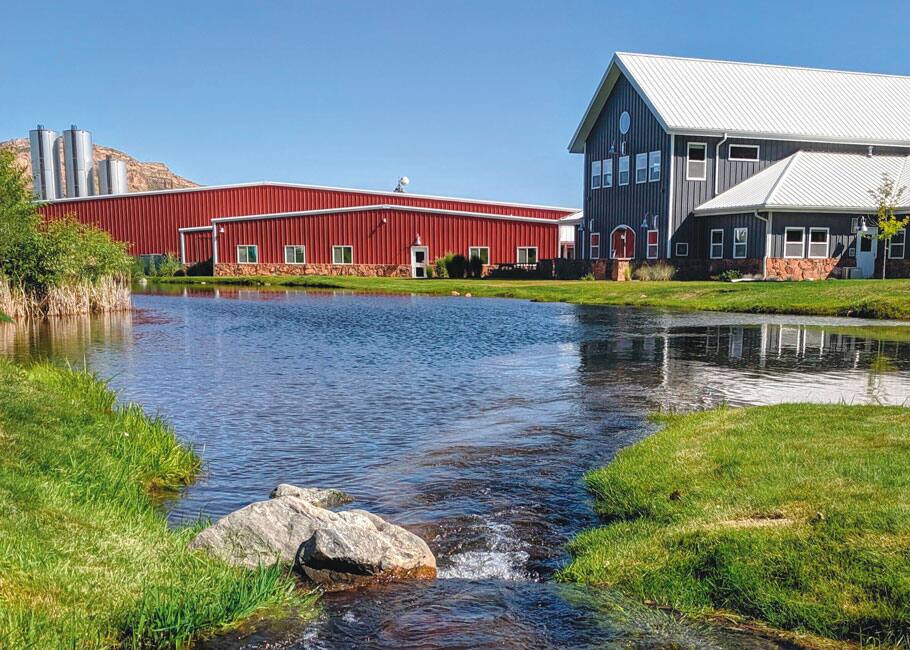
column 475, row 99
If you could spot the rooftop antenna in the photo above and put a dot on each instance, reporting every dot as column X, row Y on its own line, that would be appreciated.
column 404, row 180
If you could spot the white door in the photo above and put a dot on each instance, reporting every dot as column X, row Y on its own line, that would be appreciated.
column 866, row 250
column 419, row 256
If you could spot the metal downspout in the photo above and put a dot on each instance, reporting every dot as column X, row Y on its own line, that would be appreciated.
column 717, row 161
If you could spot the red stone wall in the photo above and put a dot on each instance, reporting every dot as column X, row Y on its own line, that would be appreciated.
column 807, row 269
column 361, row 270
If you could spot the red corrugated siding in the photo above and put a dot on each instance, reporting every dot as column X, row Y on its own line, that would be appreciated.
column 150, row 223
column 197, row 246
column 376, row 242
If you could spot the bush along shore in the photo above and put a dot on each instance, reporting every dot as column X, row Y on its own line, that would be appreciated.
column 56, row 268
column 87, row 558
column 790, row 518
column 881, row 299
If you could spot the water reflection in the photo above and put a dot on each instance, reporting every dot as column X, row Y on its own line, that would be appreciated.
column 470, row 421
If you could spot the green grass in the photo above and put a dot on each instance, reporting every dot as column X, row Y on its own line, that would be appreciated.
column 87, row 560
column 794, row 516
column 885, row 299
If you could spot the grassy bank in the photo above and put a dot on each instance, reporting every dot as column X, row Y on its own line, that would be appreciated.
column 86, row 559
column 888, row 299
column 794, row 516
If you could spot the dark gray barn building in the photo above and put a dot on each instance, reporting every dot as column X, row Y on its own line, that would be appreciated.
column 714, row 165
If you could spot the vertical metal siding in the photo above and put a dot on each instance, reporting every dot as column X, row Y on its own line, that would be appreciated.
column 626, row 205
column 840, row 234
column 689, row 194
column 376, row 242
column 755, row 244
column 198, row 246
column 150, row 223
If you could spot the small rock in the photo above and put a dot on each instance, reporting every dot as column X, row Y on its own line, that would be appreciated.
column 675, row 495
column 455, row 293
column 467, row 295
column 323, row 498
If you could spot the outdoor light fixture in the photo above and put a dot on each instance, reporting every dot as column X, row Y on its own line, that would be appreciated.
column 417, row 241
column 862, row 225
column 644, row 222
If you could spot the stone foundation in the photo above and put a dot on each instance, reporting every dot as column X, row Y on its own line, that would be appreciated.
column 360, row 270
column 808, row 269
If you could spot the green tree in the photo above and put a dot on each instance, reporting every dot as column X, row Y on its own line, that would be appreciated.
column 19, row 217
column 887, row 197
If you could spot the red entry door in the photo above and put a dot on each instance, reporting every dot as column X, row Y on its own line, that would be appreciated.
column 623, row 244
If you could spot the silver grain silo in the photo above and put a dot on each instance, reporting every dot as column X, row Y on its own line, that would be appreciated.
column 80, row 165
column 45, row 163
column 112, row 176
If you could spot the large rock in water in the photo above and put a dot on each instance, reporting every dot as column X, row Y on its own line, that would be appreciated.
column 359, row 547
column 324, row 498
column 334, row 549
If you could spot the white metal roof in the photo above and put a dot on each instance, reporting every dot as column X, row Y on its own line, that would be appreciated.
column 814, row 181
column 700, row 96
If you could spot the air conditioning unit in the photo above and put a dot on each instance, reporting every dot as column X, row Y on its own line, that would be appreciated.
column 853, row 273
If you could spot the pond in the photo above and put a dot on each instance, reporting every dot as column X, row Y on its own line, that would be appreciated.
column 470, row 421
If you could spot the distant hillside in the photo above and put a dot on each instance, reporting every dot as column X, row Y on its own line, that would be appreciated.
column 142, row 176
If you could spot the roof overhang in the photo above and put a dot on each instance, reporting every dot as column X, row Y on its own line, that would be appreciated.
column 798, row 209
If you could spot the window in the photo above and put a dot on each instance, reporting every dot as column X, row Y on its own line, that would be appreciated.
column 595, row 174
column 595, row 245
column 717, row 244
column 653, row 166
column 608, row 173
column 624, row 170
column 342, row 254
column 641, row 167
column 747, row 152
column 897, row 245
column 247, row 254
column 696, row 164
column 295, row 254
column 682, row 249
column 527, row 255
column 794, row 242
column 740, row 242
column 483, row 252
column 653, row 244
column 818, row 242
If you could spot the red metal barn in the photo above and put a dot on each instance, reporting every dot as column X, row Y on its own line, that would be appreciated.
column 265, row 228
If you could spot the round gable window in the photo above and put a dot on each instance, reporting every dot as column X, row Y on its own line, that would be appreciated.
column 625, row 121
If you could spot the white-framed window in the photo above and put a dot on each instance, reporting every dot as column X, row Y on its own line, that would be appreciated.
column 743, row 152
column 483, row 252
column 623, row 170
column 897, row 245
column 653, row 166
column 696, row 161
column 595, row 174
column 595, row 245
column 247, row 254
column 818, row 242
column 641, row 168
column 295, row 254
column 740, row 242
column 608, row 172
column 527, row 255
column 794, row 242
column 682, row 249
column 342, row 254
column 717, row 243
column 653, row 240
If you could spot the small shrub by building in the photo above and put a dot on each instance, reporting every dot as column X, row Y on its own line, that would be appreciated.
column 654, row 272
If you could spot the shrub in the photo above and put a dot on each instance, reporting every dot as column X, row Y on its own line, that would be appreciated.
column 655, row 272
column 456, row 266
column 588, row 277
column 475, row 267
column 169, row 266
column 440, row 266
column 729, row 275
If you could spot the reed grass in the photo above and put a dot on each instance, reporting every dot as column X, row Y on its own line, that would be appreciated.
column 107, row 294
column 87, row 559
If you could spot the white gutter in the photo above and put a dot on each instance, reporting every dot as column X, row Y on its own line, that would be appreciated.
column 670, row 197
column 717, row 161
column 764, row 259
